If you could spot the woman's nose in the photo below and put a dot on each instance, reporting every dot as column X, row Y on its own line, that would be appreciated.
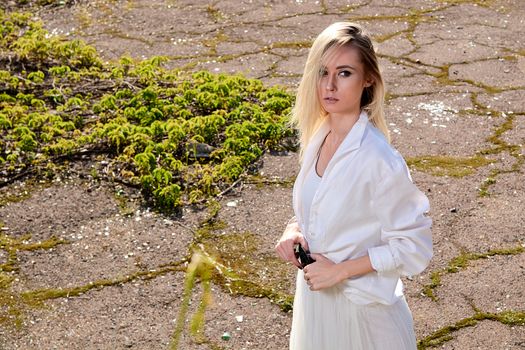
column 330, row 84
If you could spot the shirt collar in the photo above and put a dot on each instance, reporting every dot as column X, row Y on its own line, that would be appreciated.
column 354, row 137
column 351, row 141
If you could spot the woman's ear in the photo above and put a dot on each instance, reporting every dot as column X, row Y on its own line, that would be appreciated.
column 369, row 82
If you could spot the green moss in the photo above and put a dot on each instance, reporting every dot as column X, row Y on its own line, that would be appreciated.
column 488, row 88
column 214, row 13
column 126, row 209
column 115, row 33
column 480, row 108
column 387, row 36
column 21, row 193
column 500, row 146
column 510, row 318
column 36, row 297
column 482, row 3
column 444, row 334
column 146, row 120
column 501, row 129
column 10, row 310
column 461, row 262
column 443, row 76
column 262, row 182
column 448, row 166
column 83, row 18
column 291, row 45
column 12, row 245
column 435, row 281
column 12, row 304
column 212, row 43
column 243, row 269
column 213, row 207
column 489, row 181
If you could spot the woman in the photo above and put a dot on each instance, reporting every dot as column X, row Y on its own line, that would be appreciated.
column 356, row 208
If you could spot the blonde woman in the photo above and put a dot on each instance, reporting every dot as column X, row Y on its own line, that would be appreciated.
column 356, row 208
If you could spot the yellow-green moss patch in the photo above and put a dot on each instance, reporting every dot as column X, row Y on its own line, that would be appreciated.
column 461, row 262
column 39, row 295
column 510, row 318
column 482, row 3
column 12, row 304
column 291, row 45
column 448, row 166
column 241, row 267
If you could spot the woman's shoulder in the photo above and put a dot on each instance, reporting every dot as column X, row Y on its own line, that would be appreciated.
column 375, row 145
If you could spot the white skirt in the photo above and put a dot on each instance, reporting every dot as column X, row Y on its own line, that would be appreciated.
column 327, row 319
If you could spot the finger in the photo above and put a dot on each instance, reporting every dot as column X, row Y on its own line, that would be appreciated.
column 287, row 254
column 281, row 251
column 296, row 263
column 303, row 242
column 278, row 249
column 290, row 255
column 317, row 257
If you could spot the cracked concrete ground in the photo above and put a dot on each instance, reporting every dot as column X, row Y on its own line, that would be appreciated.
column 455, row 76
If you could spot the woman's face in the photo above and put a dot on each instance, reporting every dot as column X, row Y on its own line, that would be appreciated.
column 342, row 82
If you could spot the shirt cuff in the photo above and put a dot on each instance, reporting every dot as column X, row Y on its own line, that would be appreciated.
column 381, row 259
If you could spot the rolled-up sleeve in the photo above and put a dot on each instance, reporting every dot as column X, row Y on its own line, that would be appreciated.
column 406, row 239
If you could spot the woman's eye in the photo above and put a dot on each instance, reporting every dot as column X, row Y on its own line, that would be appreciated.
column 345, row 73
column 323, row 72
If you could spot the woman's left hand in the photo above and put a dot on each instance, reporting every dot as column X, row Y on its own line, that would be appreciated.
column 321, row 274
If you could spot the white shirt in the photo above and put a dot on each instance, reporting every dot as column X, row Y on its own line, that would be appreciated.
column 366, row 203
column 310, row 186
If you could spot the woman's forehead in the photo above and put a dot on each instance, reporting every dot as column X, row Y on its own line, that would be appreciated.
column 342, row 55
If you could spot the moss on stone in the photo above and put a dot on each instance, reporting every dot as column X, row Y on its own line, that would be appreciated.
column 23, row 192
column 242, row 269
column 12, row 304
column 291, row 45
column 262, row 181
column 482, row 3
column 442, row 335
column 448, row 166
column 461, row 262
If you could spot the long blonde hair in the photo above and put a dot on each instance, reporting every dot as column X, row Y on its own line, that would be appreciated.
column 308, row 113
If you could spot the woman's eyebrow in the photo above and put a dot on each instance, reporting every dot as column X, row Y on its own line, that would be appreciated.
column 344, row 66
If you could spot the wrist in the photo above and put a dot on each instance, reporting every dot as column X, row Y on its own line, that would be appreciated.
column 344, row 270
column 356, row 267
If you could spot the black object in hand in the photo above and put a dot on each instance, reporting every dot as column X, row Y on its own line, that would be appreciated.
column 302, row 255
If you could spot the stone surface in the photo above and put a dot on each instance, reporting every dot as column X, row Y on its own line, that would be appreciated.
column 454, row 71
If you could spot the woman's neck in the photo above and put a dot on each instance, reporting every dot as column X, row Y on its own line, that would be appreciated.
column 340, row 125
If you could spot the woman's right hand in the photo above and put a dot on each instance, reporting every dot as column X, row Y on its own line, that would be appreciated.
column 285, row 246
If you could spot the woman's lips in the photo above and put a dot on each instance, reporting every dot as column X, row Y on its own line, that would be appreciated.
column 331, row 99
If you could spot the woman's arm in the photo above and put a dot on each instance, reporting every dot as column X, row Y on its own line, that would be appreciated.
column 324, row 273
column 405, row 229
